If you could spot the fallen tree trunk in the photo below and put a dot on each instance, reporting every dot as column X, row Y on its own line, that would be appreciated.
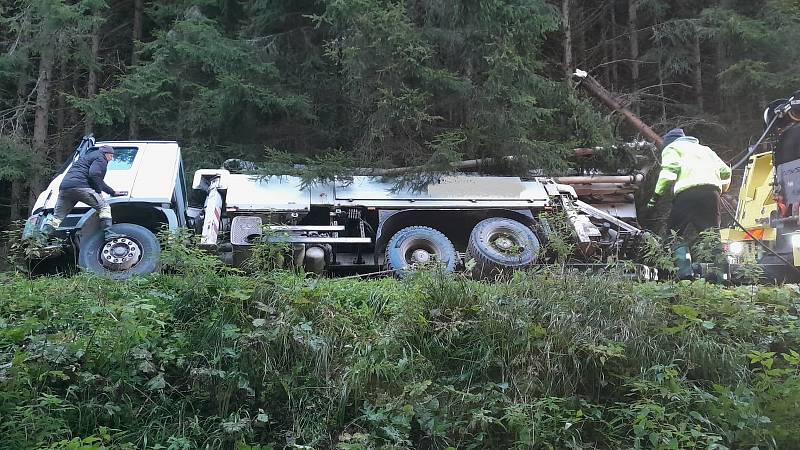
column 465, row 165
column 459, row 165
column 593, row 87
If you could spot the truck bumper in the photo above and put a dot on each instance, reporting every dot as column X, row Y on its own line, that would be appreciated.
column 33, row 226
column 48, row 247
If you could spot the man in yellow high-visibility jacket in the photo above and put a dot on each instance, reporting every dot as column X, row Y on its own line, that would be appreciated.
column 698, row 177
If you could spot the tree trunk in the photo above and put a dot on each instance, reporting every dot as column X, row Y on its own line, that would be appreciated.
column 614, row 33
column 721, row 65
column 661, row 84
column 61, row 112
column 579, row 29
column 91, row 83
column 568, row 64
column 40, row 124
column 698, row 71
column 633, row 6
column 138, row 6
column 602, row 94
column 136, row 35
column 17, row 192
column 606, row 57
column 17, row 199
column 73, row 118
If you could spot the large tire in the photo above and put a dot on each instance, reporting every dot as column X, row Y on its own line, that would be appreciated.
column 498, row 246
column 419, row 245
column 142, row 256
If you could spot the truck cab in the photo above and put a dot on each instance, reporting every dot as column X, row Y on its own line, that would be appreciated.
column 152, row 174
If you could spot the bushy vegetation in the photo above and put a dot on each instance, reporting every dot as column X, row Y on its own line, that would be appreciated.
column 201, row 358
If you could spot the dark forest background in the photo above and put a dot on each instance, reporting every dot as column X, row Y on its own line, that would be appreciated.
column 382, row 82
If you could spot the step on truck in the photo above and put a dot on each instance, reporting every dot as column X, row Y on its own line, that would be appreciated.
column 357, row 224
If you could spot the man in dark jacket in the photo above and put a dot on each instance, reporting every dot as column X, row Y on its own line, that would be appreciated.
column 83, row 182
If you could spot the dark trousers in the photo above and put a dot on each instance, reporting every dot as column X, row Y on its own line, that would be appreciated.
column 68, row 198
column 694, row 210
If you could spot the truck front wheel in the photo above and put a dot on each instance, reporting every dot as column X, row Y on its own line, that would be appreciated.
column 135, row 252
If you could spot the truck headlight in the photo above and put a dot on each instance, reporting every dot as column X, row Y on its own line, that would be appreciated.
column 736, row 248
column 32, row 226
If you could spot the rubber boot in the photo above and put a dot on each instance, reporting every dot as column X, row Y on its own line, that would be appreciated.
column 105, row 224
column 683, row 261
column 48, row 228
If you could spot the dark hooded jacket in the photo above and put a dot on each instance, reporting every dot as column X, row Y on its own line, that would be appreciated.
column 88, row 172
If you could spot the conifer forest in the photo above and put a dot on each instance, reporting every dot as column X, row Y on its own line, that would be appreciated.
column 383, row 83
column 198, row 354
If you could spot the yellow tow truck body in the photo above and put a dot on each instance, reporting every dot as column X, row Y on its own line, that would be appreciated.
column 756, row 204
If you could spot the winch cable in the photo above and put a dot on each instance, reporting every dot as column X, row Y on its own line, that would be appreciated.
column 755, row 239
column 753, row 147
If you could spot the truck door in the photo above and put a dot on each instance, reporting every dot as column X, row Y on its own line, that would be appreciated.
column 122, row 169
column 179, row 199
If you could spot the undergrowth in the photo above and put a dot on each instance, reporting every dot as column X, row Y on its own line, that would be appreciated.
column 201, row 357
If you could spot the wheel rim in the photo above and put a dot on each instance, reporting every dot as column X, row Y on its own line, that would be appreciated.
column 418, row 251
column 420, row 256
column 120, row 254
column 506, row 243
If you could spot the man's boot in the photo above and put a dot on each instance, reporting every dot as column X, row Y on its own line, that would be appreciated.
column 50, row 225
column 105, row 224
column 47, row 229
column 683, row 261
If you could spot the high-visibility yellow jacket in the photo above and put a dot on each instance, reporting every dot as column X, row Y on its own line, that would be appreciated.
column 688, row 164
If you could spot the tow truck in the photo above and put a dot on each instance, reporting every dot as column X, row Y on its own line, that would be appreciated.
column 361, row 224
column 766, row 220
column 767, row 215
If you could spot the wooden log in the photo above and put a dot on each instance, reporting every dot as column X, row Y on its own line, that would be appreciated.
column 603, row 191
column 593, row 87
column 592, row 179
column 462, row 165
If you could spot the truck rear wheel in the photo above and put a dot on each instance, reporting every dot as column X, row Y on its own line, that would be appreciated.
column 135, row 252
column 499, row 245
column 416, row 245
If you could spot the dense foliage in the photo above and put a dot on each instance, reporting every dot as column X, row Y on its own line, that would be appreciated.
column 201, row 358
column 382, row 82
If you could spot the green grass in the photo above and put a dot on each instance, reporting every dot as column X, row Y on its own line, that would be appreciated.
column 204, row 359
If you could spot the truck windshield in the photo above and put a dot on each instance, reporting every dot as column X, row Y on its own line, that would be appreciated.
column 123, row 158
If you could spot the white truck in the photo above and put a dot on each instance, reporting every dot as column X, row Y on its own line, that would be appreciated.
column 353, row 224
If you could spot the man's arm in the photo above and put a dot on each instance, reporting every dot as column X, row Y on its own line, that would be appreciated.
column 670, row 169
column 97, row 171
column 723, row 171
